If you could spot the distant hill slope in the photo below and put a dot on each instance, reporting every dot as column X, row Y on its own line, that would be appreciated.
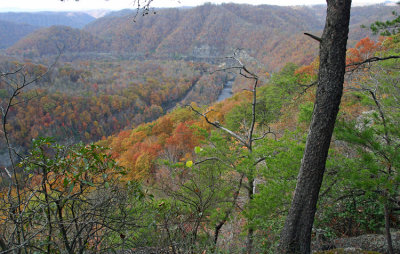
column 271, row 34
column 47, row 19
column 206, row 31
column 48, row 41
column 12, row 32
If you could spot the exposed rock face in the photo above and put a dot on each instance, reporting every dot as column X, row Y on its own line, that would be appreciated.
column 359, row 244
column 371, row 242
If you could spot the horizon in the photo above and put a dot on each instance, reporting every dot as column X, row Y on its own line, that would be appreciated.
column 116, row 5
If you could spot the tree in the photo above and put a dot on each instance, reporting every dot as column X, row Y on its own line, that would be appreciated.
column 296, row 234
column 198, row 197
column 247, row 138
column 388, row 27
column 72, row 201
column 375, row 134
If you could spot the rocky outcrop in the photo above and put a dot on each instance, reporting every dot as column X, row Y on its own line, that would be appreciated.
column 375, row 243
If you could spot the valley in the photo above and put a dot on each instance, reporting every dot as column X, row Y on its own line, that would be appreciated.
column 183, row 130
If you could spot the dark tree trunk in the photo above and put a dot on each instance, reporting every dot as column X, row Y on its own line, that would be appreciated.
column 387, row 230
column 250, row 231
column 296, row 234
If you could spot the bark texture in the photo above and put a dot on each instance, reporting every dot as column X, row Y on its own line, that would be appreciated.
column 296, row 235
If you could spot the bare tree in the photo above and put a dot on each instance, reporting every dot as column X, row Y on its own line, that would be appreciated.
column 15, row 82
column 246, row 139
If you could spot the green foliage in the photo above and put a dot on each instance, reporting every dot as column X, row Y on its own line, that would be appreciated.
column 280, row 91
column 286, row 78
column 305, row 112
column 270, row 100
column 389, row 27
column 77, row 185
column 283, row 157
column 366, row 173
column 352, row 214
column 197, row 195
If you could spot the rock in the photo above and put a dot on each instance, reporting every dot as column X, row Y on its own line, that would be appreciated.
column 371, row 242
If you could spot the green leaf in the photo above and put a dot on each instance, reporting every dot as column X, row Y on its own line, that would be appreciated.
column 71, row 187
column 66, row 182
column 197, row 149
column 88, row 183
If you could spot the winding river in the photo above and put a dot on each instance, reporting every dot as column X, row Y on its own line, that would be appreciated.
column 226, row 91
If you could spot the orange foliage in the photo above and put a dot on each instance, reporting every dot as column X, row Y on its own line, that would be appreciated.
column 363, row 50
column 307, row 72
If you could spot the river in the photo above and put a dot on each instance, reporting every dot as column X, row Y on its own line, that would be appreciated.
column 226, row 91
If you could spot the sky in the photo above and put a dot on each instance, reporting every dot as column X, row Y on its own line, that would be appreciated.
column 68, row 5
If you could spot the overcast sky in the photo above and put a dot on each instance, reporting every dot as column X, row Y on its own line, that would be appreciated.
column 123, row 4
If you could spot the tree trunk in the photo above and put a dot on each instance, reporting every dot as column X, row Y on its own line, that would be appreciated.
column 3, row 244
column 296, row 234
column 387, row 230
column 250, row 231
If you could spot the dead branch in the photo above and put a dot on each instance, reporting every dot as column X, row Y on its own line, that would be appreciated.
column 265, row 134
column 217, row 125
column 314, row 37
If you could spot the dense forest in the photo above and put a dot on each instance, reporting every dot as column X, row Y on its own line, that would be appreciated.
column 113, row 141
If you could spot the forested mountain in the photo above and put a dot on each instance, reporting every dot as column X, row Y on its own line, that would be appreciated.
column 14, row 32
column 47, row 19
column 207, row 32
column 17, row 25
column 55, row 39
column 211, row 31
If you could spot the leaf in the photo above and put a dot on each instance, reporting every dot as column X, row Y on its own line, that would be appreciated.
column 66, row 182
column 88, row 183
column 189, row 164
column 197, row 149
column 71, row 187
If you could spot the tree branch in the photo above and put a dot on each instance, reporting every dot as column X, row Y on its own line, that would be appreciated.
column 370, row 60
column 217, row 125
column 314, row 37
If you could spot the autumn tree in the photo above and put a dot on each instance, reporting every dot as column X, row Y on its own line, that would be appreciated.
column 374, row 134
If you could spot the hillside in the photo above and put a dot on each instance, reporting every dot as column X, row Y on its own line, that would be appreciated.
column 183, row 158
column 47, row 19
column 208, row 32
column 49, row 41
column 14, row 32
column 89, row 100
column 123, row 143
column 211, row 31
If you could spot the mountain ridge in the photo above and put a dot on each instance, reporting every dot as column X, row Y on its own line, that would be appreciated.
column 214, row 31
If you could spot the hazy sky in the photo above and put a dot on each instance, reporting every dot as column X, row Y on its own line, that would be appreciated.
column 123, row 4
